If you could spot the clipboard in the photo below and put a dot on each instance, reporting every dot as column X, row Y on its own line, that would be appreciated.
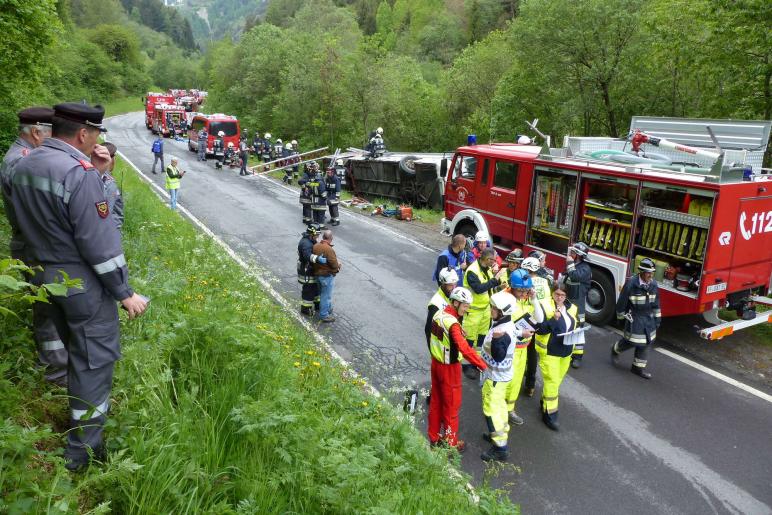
column 525, row 322
column 575, row 337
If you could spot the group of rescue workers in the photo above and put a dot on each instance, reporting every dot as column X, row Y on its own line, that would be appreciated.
column 505, row 321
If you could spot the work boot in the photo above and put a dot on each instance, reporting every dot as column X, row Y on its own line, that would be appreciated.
column 552, row 424
column 495, row 453
column 328, row 319
column 614, row 356
column 516, row 419
column 82, row 460
column 640, row 372
column 576, row 363
column 460, row 446
column 305, row 310
column 471, row 372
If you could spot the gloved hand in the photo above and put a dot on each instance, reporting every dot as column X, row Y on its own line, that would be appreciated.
column 321, row 259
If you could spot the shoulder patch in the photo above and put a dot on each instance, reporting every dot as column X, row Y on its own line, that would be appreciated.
column 86, row 164
column 102, row 209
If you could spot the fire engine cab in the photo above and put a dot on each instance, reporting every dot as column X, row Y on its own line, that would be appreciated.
column 690, row 194
column 150, row 101
column 167, row 116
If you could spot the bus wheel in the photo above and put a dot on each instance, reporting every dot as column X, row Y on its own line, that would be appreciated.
column 601, row 300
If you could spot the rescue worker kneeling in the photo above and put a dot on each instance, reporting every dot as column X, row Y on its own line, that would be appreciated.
column 560, row 317
column 447, row 341
column 498, row 352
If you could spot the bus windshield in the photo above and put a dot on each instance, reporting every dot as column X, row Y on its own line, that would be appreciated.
column 229, row 128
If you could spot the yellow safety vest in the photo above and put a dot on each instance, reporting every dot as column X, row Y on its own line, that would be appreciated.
column 439, row 300
column 548, row 305
column 172, row 183
column 479, row 300
column 440, row 347
column 542, row 287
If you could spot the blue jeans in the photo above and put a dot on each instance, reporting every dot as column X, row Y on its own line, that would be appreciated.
column 173, row 199
column 326, row 283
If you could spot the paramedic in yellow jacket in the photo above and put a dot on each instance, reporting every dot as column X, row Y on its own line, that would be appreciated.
column 521, row 287
column 560, row 317
column 498, row 352
column 482, row 278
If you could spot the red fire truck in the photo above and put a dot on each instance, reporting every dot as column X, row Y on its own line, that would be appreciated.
column 167, row 116
column 150, row 101
column 690, row 194
column 214, row 123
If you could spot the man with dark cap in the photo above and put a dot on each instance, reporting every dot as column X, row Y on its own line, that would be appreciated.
column 112, row 192
column 59, row 201
column 34, row 127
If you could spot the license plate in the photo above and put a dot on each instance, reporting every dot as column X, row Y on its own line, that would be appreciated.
column 713, row 288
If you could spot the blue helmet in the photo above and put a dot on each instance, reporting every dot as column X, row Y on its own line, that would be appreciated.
column 520, row 279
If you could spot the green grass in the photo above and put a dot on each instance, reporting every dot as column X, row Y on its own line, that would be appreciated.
column 222, row 403
column 123, row 105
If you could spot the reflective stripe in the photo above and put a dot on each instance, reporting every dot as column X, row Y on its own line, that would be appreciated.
column 641, row 363
column 97, row 411
column 110, row 265
column 550, row 398
column 43, row 184
column 52, row 345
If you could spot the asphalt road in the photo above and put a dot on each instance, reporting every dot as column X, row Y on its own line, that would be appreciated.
column 684, row 442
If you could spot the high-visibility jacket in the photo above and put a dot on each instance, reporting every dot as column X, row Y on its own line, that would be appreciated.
column 172, row 178
column 522, row 307
column 479, row 300
column 547, row 340
column 542, row 287
column 439, row 299
column 499, row 353
column 444, row 347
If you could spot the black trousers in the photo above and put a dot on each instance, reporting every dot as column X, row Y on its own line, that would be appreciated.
column 309, row 297
column 334, row 213
column 532, row 364
column 307, row 214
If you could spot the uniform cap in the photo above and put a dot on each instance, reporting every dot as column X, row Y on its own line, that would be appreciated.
column 81, row 113
column 35, row 115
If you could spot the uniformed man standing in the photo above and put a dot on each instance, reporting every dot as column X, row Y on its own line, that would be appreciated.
column 112, row 193
column 332, row 185
column 318, row 196
column 305, row 191
column 578, row 282
column 59, row 201
column 203, row 136
column 309, row 293
column 243, row 156
column 34, row 128
column 638, row 305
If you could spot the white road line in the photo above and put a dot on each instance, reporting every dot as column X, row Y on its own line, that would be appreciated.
column 361, row 219
column 702, row 368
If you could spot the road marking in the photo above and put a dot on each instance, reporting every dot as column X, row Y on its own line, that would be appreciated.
column 702, row 368
column 361, row 219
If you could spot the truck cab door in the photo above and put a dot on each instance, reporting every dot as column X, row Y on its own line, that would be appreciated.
column 461, row 190
column 501, row 196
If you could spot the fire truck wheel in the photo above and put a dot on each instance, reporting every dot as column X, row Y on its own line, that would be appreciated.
column 407, row 165
column 468, row 229
column 601, row 299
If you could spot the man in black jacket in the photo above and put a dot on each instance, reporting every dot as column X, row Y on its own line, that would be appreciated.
column 578, row 281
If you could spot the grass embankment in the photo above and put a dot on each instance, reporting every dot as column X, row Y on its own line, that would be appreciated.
column 221, row 404
column 425, row 215
column 123, row 105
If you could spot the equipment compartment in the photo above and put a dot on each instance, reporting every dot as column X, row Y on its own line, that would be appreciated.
column 552, row 210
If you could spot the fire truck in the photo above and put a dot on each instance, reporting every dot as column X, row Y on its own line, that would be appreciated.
column 214, row 124
column 150, row 101
column 690, row 194
column 167, row 116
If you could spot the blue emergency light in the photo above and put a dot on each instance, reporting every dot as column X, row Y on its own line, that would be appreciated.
column 471, row 139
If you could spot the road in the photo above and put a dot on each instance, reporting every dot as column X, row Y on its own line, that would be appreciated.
column 685, row 442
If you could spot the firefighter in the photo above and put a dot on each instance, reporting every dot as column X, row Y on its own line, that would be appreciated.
column 446, row 342
column 448, row 281
column 34, row 127
column 542, row 289
column 286, row 154
column 578, row 279
column 482, row 242
column 59, row 202
column 267, row 147
column 513, row 261
column 482, row 279
column 295, row 159
column 257, row 146
column 219, row 148
column 305, row 191
column 243, row 156
column 375, row 145
column 521, row 287
column 309, row 292
column 202, row 144
column 498, row 352
column 332, row 185
column 638, row 304
column 560, row 316
column 318, row 196
column 278, row 150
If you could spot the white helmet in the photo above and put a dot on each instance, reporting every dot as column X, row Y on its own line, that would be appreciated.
column 221, row 134
column 524, row 140
column 448, row 276
column 278, row 141
column 288, row 146
column 267, row 135
column 230, row 144
column 294, row 142
column 504, row 302
column 339, row 162
column 461, row 295
column 481, row 236
column 531, row 264
column 379, row 131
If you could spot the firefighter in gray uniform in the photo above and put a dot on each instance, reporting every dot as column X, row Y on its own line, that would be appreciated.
column 34, row 128
column 305, row 191
column 59, row 201
column 318, row 196
column 332, row 185
column 638, row 305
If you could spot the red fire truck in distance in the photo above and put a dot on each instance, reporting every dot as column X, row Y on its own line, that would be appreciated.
column 703, row 215
column 165, row 117
column 214, row 123
column 150, row 101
